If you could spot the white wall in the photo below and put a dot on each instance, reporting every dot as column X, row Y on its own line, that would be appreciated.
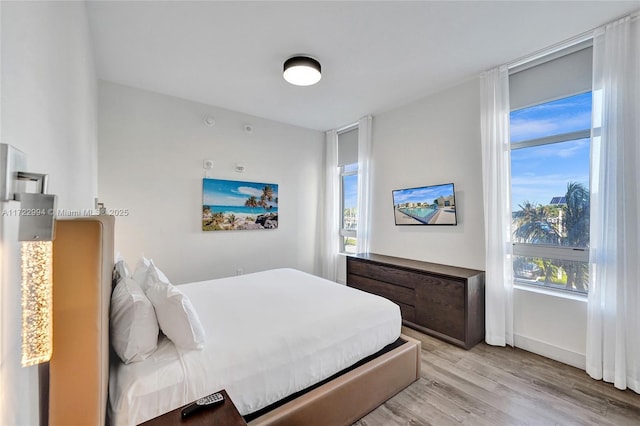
column 49, row 94
column 437, row 140
column 551, row 325
column 151, row 156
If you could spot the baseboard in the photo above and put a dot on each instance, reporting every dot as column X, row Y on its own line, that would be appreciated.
column 565, row 356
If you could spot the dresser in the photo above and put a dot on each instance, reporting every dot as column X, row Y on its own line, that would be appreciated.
column 443, row 301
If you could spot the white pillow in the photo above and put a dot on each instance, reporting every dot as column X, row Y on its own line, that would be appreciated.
column 177, row 318
column 134, row 326
column 142, row 268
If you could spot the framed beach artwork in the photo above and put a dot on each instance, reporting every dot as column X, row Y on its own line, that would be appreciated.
column 229, row 205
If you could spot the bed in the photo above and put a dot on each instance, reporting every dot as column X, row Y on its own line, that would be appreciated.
column 269, row 335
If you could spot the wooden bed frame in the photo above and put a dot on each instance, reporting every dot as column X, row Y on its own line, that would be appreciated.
column 79, row 368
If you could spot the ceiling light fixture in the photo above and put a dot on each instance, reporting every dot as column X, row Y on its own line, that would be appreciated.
column 302, row 71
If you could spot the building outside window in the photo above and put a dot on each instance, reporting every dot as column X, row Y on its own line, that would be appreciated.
column 550, row 171
column 349, row 207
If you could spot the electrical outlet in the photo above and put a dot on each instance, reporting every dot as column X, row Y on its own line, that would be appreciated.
column 239, row 271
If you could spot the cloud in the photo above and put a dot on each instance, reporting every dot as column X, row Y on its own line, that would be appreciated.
column 523, row 129
column 551, row 118
column 217, row 199
column 247, row 190
column 561, row 149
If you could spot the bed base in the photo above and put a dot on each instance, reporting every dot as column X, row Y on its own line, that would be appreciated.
column 83, row 261
column 352, row 395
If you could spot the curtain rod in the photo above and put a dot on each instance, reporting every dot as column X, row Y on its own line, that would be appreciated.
column 566, row 43
column 551, row 50
column 347, row 127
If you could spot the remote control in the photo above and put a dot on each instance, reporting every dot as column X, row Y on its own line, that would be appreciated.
column 207, row 401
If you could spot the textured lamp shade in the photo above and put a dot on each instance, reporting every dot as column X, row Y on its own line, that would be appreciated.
column 37, row 326
column 302, row 71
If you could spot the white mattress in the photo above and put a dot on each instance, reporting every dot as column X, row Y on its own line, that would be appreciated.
column 269, row 335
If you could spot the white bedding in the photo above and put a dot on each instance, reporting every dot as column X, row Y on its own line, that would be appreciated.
column 268, row 335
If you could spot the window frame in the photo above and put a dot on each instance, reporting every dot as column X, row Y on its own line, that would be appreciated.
column 346, row 170
column 545, row 251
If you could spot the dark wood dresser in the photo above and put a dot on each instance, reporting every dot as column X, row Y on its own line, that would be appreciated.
column 443, row 301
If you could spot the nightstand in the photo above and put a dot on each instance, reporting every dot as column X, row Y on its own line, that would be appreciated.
column 225, row 414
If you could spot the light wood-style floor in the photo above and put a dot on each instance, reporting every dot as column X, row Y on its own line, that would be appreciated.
column 502, row 386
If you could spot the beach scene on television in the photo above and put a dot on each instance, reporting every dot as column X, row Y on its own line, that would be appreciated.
column 229, row 205
column 427, row 205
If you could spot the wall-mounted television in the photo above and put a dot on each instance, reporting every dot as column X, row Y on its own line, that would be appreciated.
column 425, row 205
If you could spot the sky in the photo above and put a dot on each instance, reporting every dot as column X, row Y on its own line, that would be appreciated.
column 542, row 172
column 539, row 173
column 231, row 192
column 350, row 191
column 421, row 195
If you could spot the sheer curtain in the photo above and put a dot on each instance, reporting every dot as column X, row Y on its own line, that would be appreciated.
column 613, row 322
column 331, row 209
column 496, row 178
column 364, row 184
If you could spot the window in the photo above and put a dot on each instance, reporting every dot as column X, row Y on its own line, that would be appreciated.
column 550, row 169
column 348, row 163
column 349, row 207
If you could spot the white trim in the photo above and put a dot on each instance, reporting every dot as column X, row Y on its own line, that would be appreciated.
column 350, row 233
column 563, row 137
column 544, row 349
column 547, row 291
column 551, row 252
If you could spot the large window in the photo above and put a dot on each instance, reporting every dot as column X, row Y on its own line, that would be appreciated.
column 348, row 163
column 349, row 207
column 550, row 158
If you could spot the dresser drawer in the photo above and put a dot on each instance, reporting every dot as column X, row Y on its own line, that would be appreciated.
column 393, row 292
column 396, row 276
column 443, row 306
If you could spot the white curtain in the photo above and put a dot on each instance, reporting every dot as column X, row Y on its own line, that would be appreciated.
column 496, row 183
column 364, row 184
column 331, row 209
column 613, row 323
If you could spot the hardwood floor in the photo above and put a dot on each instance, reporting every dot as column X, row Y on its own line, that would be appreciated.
column 502, row 386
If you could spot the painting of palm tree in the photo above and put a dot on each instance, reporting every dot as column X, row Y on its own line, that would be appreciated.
column 251, row 202
column 266, row 199
column 565, row 225
column 236, row 205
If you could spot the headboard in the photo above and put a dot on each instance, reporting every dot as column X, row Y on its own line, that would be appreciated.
column 79, row 367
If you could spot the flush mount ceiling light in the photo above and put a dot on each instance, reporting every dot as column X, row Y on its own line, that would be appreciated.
column 302, row 70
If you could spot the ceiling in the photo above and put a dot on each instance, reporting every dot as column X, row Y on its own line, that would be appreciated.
column 375, row 55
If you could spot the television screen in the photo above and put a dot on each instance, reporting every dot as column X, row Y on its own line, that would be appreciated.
column 426, row 205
